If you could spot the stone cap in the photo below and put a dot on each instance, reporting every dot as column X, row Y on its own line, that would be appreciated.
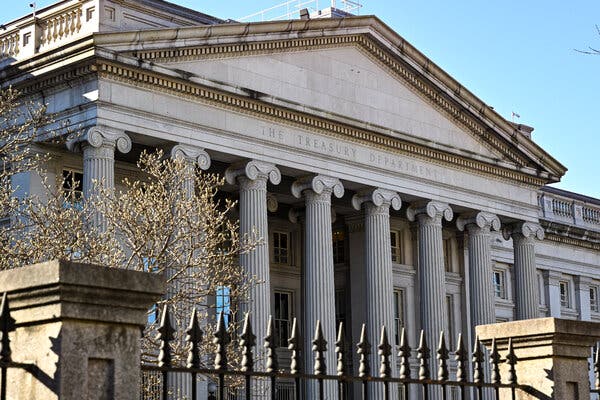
column 543, row 337
column 61, row 290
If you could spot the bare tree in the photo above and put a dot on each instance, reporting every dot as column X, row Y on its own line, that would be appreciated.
column 591, row 50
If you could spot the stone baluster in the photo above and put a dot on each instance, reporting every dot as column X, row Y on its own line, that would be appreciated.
column 98, row 145
column 524, row 236
column 378, row 268
column 252, row 177
column 318, row 283
column 431, row 272
column 481, row 288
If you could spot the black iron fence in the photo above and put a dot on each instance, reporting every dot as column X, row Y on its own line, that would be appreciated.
column 469, row 376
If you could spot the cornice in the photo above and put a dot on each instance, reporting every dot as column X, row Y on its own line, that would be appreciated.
column 368, row 46
column 570, row 235
column 154, row 81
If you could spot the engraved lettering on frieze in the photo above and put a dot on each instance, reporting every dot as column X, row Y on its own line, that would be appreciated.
column 272, row 133
column 394, row 163
column 326, row 146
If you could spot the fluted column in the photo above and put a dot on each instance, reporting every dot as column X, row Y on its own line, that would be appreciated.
column 318, row 285
column 524, row 236
column 252, row 178
column 98, row 145
column 378, row 268
column 481, row 288
column 432, row 275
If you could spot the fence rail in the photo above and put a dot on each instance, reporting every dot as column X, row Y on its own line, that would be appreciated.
column 424, row 381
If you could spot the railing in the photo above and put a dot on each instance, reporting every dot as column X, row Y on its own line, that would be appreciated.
column 61, row 26
column 425, row 382
column 558, row 207
column 9, row 44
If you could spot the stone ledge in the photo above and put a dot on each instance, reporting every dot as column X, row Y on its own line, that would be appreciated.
column 58, row 290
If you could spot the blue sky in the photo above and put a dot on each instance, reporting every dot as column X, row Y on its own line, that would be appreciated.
column 515, row 55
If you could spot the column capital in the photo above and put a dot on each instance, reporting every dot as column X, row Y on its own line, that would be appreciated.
column 318, row 184
column 480, row 220
column 379, row 197
column 101, row 136
column 253, row 170
column 192, row 154
column 526, row 229
column 435, row 210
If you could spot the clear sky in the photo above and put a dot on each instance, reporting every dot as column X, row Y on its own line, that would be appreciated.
column 515, row 55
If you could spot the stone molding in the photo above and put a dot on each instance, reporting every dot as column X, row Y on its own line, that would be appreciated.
column 157, row 82
column 482, row 220
column 436, row 210
column 379, row 197
column 319, row 184
column 192, row 154
column 101, row 136
column 528, row 230
column 253, row 170
column 272, row 203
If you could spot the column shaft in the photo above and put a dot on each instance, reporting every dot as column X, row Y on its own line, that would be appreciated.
column 526, row 286
column 98, row 167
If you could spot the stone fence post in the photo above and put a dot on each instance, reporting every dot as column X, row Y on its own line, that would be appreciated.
column 552, row 355
column 80, row 326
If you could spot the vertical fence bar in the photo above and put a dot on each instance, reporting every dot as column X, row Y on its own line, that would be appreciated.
column 364, row 369
column 385, row 369
column 597, row 367
column 193, row 338
column 165, row 335
column 340, row 350
column 442, row 356
column 511, row 360
column 319, row 348
column 247, row 341
column 478, row 358
column 495, row 370
column 461, row 365
column 423, row 356
column 221, row 339
column 7, row 324
column 272, row 363
column 404, row 355
column 295, row 361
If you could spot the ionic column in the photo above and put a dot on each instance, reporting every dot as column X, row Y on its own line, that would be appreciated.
column 252, row 178
column 98, row 145
column 378, row 268
column 524, row 236
column 193, row 157
column 432, row 275
column 481, row 288
column 318, row 285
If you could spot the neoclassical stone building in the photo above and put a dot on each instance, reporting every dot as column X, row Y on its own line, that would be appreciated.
column 389, row 193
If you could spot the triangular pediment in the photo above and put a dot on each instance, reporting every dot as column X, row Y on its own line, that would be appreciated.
column 355, row 74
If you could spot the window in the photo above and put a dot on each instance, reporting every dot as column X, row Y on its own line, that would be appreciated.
column 447, row 247
column 339, row 247
column 281, row 248
column 72, row 187
column 340, row 309
column 594, row 298
column 223, row 302
column 398, row 314
column 282, row 317
column 565, row 300
column 499, row 279
column 396, row 246
column 450, row 319
column 153, row 314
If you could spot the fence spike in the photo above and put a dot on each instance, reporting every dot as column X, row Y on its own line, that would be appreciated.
column 495, row 363
column 272, row 364
column 597, row 366
column 423, row 356
column 165, row 335
column 294, row 346
column 511, row 360
column 442, row 356
column 247, row 341
column 221, row 339
column 461, row 360
column 319, row 348
column 404, row 355
column 478, row 358
column 193, row 338
column 364, row 350
column 385, row 351
column 340, row 350
column 7, row 324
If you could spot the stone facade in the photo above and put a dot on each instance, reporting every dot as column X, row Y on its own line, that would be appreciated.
column 329, row 131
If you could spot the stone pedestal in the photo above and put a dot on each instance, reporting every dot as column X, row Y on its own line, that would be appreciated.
column 552, row 356
column 80, row 325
